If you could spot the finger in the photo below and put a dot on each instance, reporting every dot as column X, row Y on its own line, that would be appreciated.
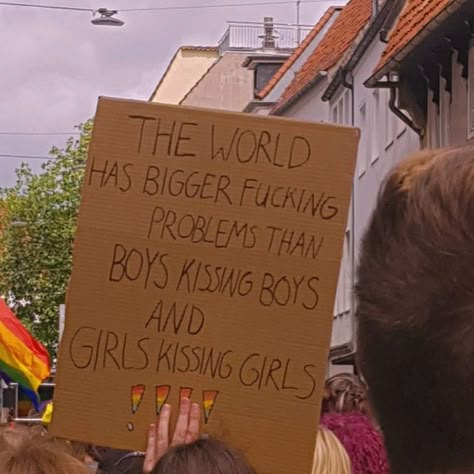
column 150, row 454
column 163, row 438
column 182, row 422
column 194, row 420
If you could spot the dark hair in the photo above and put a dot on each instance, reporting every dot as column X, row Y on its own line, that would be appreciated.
column 415, row 312
column 204, row 456
column 116, row 461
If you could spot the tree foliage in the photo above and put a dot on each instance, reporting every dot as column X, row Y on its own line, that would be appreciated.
column 37, row 227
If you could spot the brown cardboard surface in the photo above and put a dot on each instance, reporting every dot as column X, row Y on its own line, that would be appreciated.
column 205, row 262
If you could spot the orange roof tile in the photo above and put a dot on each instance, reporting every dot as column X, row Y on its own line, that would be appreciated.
column 339, row 38
column 414, row 17
column 298, row 51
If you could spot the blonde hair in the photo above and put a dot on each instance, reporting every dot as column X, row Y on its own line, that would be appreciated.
column 330, row 457
column 24, row 451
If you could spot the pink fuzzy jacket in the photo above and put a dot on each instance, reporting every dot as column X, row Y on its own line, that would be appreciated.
column 363, row 443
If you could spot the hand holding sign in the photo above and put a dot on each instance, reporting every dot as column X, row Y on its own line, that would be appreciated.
column 186, row 431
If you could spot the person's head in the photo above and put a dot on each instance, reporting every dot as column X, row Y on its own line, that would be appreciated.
column 85, row 453
column 344, row 393
column 415, row 312
column 24, row 452
column 330, row 457
column 208, row 456
column 362, row 442
column 116, row 461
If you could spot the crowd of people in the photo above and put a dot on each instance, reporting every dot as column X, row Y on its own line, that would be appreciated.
column 347, row 442
column 411, row 412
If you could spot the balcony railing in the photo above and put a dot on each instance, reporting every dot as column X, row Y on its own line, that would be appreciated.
column 248, row 36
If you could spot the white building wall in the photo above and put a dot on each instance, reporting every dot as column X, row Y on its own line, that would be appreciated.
column 310, row 107
column 227, row 85
column 340, row 112
column 185, row 69
column 385, row 140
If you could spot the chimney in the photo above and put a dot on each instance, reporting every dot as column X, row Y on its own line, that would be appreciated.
column 269, row 35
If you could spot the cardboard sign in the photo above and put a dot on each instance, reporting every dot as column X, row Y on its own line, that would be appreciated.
column 205, row 264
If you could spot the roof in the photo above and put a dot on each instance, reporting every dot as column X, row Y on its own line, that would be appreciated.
column 181, row 48
column 298, row 51
column 387, row 14
column 339, row 38
column 211, row 67
column 416, row 15
column 199, row 48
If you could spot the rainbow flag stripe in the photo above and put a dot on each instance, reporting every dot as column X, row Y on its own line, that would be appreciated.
column 23, row 359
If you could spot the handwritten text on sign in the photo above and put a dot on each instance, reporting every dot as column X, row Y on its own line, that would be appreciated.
column 205, row 264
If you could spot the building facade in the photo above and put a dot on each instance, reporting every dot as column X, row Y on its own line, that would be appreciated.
column 266, row 99
column 385, row 140
column 187, row 66
column 303, row 100
column 428, row 65
column 334, row 91
column 230, row 75
column 402, row 71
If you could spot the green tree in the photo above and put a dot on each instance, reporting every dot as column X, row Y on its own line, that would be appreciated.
column 37, row 227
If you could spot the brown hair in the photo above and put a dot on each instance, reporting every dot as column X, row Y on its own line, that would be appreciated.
column 22, row 451
column 207, row 456
column 415, row 312
column 344, row 393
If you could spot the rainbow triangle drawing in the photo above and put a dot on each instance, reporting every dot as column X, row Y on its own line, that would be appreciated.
column 208, row 401
column 185, row 392
column 138, row 391
column 162, row 393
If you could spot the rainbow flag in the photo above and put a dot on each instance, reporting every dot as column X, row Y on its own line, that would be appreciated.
column 23, row 359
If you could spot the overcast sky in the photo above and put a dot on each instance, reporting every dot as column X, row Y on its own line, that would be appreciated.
column 54, row 64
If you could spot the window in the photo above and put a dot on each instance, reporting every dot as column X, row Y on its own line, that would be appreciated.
column 348, row 284
column 444, row 113
column 337, row 112
column 347, row 109
column 470, row 114
column 341, row 112
column 342, row 304
column 390, row 122
column 433, row 122
column 374, row 127
column 363, row 148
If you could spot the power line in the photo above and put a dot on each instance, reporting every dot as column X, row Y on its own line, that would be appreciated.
column 166, row 8
column 26, row 157
column 49, row 7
